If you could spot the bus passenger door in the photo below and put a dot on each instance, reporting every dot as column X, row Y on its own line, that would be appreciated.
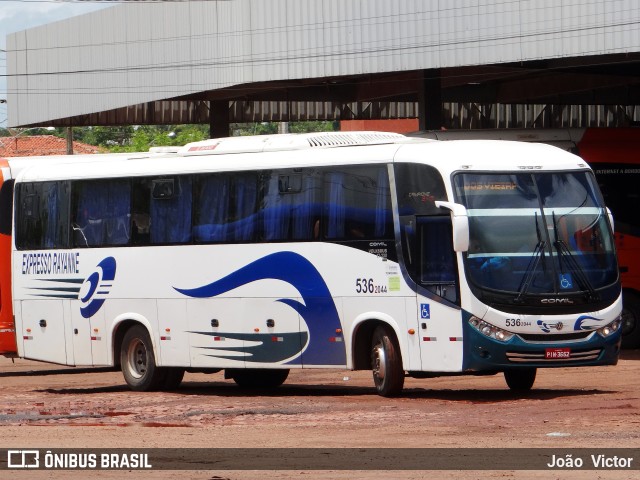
column 440, row 328
column 43, row 332
column 440, row 321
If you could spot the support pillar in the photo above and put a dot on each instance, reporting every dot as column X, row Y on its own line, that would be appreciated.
column 430, row 100
column 69, row 140
column 218, row 118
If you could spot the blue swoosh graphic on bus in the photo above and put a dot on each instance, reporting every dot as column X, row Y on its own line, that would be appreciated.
column 583, row 318
column 318, row 310
column 263, row 348
column 99, row 284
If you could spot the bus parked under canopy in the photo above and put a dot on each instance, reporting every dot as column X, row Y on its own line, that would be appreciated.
column 356, row 250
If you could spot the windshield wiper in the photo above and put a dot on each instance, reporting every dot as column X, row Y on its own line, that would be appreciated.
column 532, row 267
column 575, row 267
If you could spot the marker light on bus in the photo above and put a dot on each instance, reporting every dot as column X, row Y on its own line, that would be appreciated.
column 489, row 330
column 610, row 329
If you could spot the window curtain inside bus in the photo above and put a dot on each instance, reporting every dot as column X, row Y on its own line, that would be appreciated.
column 56, row 195
column 171, row 217
column 42, row 219
column 102, row 213
column 358, row 203
column 383, row 219
column 335, row 205
column 246, row 195
column 212, row 215
column 305, row 210
column 276, row 210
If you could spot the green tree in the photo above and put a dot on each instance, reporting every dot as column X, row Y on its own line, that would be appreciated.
column 269, row 128
column 313, row 126
column 140, row 138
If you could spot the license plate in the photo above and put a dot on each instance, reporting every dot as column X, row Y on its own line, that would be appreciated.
column 557, row 353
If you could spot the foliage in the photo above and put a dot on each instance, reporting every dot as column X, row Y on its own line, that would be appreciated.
column 141, row 138
column 268, row 128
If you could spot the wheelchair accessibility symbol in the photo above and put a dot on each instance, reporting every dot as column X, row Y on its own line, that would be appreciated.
column 566, row 282
column 425, row 312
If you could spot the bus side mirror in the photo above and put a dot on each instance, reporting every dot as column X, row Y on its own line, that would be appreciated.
column 460, row 223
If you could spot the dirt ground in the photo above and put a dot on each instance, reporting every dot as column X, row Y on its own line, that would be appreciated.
column 45, row 406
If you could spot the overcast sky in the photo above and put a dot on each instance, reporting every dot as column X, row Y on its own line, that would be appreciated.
column 16, row 15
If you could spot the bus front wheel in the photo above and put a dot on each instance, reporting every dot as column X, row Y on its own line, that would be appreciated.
column 138, row 362
column 386, row 362
column 520, row 380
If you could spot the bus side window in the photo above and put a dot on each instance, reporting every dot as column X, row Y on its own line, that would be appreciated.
column 307, row 207
column 6, row 207
column 276, row 208
column 28, row 223
column 101, row 213
column 211, row 208
column 171, row 210
column 418, row 188
column 244, row 200
column 358, row 203
column 438, row 272
column 291, row 204
column 42, row 219
column 140, row 216
column 225, row 207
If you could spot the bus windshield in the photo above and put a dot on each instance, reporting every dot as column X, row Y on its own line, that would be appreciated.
column 536, row 234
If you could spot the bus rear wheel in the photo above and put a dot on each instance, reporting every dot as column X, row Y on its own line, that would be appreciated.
column 386, row 363
column 520, row 380
column 257, row 377
column 138, row 362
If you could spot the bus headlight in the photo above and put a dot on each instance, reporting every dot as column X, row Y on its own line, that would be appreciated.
column 489, row 330
column 610, row 329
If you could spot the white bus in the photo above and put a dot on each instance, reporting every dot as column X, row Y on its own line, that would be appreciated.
column 257, row 255
column 614, row 156
column 10, row 167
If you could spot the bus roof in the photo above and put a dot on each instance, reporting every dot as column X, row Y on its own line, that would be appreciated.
column 12, row 166
column 271, row 143
column 284, row 151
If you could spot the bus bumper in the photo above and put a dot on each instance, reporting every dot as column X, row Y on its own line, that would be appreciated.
column 482, row 353
column 8, row 346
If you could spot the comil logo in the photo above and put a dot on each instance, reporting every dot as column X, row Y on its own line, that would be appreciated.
column 23, row 459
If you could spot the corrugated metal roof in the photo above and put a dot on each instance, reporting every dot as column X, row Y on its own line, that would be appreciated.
column 142, row 52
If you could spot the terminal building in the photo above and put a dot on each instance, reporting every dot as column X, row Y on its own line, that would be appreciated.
column 500, row 64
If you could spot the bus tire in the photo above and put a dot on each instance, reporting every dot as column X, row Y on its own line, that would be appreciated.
column 520, row 379
column 630, row 319
column 258, row 377
column 173, row 378
column 386, row 362
column 138, row 362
